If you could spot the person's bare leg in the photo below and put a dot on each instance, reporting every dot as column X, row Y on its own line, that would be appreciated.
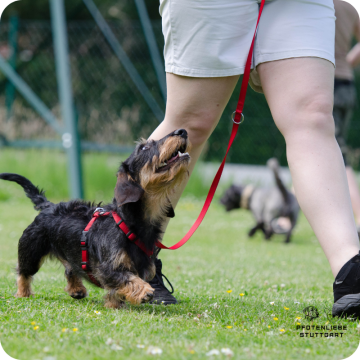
column 354, row 193
column 195, row 104
column 300, row 95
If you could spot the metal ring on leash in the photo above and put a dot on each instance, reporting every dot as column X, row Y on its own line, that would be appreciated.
column 99, row 210
column 233, row 118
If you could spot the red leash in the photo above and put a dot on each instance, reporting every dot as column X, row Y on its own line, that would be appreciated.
column 237, row 120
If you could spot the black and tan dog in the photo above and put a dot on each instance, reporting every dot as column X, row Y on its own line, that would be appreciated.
column 144, row 182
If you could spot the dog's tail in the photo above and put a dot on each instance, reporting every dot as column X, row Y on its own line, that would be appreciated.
column 36, row 195
column 273, row 164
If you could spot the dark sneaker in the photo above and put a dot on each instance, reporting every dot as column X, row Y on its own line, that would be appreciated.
column 347, row 290
column 161, row 294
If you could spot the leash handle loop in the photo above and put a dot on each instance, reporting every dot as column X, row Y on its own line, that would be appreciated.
column 237, row 120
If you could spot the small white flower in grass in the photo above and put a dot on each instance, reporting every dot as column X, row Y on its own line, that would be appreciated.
column 115, row 347
column 140, row 346
column 297, row 302
column 282, row 285
column 272, row 302
column 97, row 312
column 46, row 349
column 213, row 352
column 196, row 319
column 154, row 350
column 215, row 306
column 227, row 352
column 358, row 326
column 109, row 341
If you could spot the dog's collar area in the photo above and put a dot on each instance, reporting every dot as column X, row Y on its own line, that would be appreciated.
column 121, row 224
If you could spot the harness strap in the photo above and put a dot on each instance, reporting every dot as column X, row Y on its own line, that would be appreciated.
column 131, row 236
column 121, row 224
column 84, row 248
column 237, row 119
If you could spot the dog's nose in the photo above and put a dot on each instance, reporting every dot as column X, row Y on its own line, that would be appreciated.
column 181, row 132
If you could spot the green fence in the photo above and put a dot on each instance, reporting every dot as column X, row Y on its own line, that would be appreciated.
column 110, row 110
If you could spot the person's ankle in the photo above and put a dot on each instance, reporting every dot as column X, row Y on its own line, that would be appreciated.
column 341, row 259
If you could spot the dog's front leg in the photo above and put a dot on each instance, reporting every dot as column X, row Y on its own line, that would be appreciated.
column 259, row 225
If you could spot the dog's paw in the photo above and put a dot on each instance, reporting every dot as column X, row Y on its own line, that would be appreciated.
column 147, row 293
column 76, row 293
column 251, row 233
column 137, row 291
column 114, row 304
column 24, row 294
column 148, row 297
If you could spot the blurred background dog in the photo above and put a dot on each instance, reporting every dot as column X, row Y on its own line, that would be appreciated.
column 266, row 205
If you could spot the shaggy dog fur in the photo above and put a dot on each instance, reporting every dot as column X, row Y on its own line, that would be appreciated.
column 144, row 182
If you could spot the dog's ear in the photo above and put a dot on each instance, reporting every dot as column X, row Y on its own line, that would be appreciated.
column 170, row 210
column 127, row 191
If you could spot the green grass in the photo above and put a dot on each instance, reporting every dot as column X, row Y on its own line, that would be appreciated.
column 48, row 170
column 218, row 258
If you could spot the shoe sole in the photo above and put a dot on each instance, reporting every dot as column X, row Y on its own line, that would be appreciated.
column 162, row 302
column 347, row 306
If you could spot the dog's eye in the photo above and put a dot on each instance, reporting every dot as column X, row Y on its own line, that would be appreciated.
column 145, row 148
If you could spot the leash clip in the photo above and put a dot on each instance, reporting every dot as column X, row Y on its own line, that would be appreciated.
column 233, row 118
column 99, row 210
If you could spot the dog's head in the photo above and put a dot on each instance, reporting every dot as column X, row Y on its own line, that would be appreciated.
column 232, row 198
column 153, row 171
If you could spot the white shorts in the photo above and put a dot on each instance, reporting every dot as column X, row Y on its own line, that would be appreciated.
column 211, row 38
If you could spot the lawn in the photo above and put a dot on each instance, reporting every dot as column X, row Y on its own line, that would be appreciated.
column 246, row 295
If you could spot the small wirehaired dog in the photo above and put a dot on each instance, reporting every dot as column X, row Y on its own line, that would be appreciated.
column 266, row 205
column 144, row 182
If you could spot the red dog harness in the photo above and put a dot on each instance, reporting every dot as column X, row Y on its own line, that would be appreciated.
column 121, row 224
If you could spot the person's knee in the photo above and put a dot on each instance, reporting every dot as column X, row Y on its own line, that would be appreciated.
column 312, row 115
column 199, row 124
